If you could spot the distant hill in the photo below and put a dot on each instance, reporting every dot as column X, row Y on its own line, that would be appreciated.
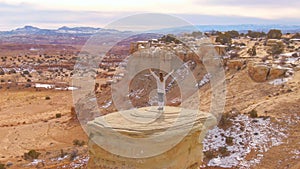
column 87, row 31
column 240, row 28
column 83, row 31
column 79, row 35
column 63, row 35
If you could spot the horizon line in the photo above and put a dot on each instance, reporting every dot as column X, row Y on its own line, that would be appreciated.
column 103, row 27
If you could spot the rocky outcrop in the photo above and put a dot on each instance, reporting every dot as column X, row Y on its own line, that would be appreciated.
column 2, row 71
column 276, row 72
column 235, row 64
column 260, row 72
column 173, row 140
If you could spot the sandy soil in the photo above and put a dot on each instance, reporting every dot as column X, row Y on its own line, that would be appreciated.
column 28, row 122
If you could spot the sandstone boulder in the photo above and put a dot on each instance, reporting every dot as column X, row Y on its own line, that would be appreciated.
column 235, row 64
column 276, row 72
column 145, row 139
column 258, row 72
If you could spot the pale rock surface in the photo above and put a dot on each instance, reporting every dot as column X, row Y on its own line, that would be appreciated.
column 177, row 143
column 258, row 72
column 277, row 72
column 235, row 64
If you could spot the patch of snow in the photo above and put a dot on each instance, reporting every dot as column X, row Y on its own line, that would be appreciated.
column 46, row 86
column 288, row 54
column 66, row 88
column 136, row 93
column 78, row 163
column 248, row 134
column 204, row 80
column 59, row 158
column 279, row 81
column 107, row 104
column 35, row 162
column 71, row 88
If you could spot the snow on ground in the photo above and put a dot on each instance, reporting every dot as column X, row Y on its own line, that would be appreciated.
column 71, row 88
column 248, row 135
column 107, row 104
column 47, row 86
column 204, row 80
column 296, row 154
column 79, row 162
column 136, row 93
column 35, row 162
column 279, row 81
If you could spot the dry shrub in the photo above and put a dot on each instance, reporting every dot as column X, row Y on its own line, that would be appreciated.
column 225, row 121
column 253, row 113
column 31, row 155
column 77, row 142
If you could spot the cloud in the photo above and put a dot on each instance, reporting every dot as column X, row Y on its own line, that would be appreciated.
column 14, row 16
column 233, row 20
column 250, row 3
column 17, row 13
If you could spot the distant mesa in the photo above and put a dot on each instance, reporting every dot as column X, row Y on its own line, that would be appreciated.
column 174, row 30
column 31, row 30
column 79, row 30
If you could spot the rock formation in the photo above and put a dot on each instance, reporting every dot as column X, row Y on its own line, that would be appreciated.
column 235, row 64
column 260, row 72
column 172, row 140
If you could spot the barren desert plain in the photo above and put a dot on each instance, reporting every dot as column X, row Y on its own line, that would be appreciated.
column 259, row 129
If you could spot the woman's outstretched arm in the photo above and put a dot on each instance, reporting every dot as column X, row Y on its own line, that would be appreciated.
column 153, row 74
column 169, row 74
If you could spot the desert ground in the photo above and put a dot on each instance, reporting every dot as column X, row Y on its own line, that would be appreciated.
column 30, row 122
column 43, row 119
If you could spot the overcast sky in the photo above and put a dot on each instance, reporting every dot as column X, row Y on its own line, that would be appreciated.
column 98, row 13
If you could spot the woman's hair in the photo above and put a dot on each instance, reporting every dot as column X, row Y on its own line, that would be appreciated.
column 161, row 77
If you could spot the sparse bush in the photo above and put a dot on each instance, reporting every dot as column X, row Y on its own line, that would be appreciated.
column 274, row 34
column 12, row 71
column 62, row 153
column 47, row 98
column 2, row 166
column 252, row 51
column 73, row 154
column 210, row 154
column 229, row 141
column 296, row 36
column 196, row 34
column 73, row 113
column 169, row 38
column 224, row 38
column 253, row 113
column 77, row 142
column 233, row 34
column 224, row 152
column 26, row 72
column 254, row 34
column 225, row 121
column 31, row 155
column 58, row 115
column 276, row 48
